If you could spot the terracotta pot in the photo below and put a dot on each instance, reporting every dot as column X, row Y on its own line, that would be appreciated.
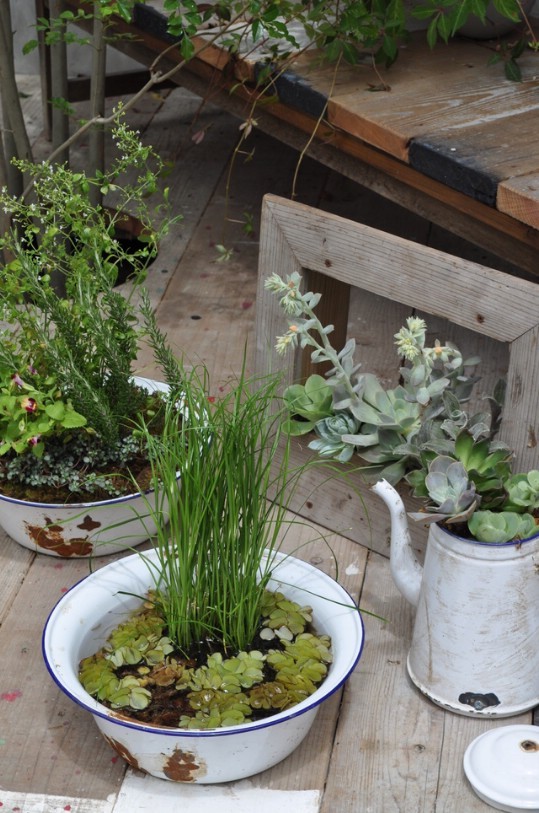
column 84, row 617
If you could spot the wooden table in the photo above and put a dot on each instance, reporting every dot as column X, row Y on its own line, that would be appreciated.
column 448, row 138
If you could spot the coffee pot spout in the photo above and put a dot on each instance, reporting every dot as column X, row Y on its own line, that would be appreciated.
column 405, row 568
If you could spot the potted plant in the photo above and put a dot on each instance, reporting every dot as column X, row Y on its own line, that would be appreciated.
column 475, row 648
column 69, row 404
column 215, row 671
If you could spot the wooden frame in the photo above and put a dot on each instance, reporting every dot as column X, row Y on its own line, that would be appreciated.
column 338, row 254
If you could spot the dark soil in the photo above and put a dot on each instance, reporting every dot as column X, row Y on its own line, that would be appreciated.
column 169, row 703
column 138, row 469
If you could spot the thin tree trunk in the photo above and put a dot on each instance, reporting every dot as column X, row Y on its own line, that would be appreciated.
column 97, row 101
column 14, row 136
column 4, row 217
column 60, row 121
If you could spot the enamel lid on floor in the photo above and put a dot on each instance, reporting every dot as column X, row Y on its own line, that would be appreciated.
column 502, row 766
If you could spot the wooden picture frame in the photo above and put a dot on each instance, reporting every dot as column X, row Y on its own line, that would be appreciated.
column 334, row 254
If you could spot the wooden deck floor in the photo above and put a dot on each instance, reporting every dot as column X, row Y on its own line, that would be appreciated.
column 378, row 748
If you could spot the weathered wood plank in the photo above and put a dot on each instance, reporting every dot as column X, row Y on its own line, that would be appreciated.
column 475, row 157
column 142, row 794
column 15, row 562
column 443, row 90
column 520, row 418
column 50, row 745
column 395, row 751
column 519, row 197
column 39, row 803
column 389, row 740
column 494, row 303
column 208, row 312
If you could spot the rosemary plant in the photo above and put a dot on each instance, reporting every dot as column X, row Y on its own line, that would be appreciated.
column 65, row 320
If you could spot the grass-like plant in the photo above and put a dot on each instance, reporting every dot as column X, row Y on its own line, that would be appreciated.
column 217, row 530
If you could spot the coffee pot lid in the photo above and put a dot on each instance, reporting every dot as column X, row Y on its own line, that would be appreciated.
column 502, row 766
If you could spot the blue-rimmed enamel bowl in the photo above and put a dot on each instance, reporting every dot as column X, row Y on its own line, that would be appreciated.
column 84, row 617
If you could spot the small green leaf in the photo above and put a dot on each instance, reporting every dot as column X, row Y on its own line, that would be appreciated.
column 29, row 46
column 56, row 411
column 512, row 71
column 73, row 420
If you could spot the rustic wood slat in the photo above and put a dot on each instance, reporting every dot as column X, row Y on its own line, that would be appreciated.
column 209, row 308
column 475, row 157
column 40, row 803
column 444, row 90
column 389, row 740
column 519, row 197
column 488, row 302
column 15, row 562
column 50, row 745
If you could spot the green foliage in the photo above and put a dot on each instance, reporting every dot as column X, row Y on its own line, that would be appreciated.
column 74, row 463
column 346, row 30
column 333, row 433
column 80, row 345
column 310, row 402
column 387, row 428
column 523, row 491
column 502, row 526
column 418, row 430
column 282, row 618
column 32, row 410
column 230, row 455
column 226, row 689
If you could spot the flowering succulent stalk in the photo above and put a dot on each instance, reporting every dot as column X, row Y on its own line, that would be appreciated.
column 417, row 430
column 381, row 426
column 307, row 330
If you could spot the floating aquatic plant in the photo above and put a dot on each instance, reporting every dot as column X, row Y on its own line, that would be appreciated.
column 138, row 662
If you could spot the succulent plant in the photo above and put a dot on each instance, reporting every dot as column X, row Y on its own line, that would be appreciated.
column 452, row 494
column 501, row 526
column 310, row 402
column 523, row 491
column 419, row 430
column 332, row 433
column 386, row 420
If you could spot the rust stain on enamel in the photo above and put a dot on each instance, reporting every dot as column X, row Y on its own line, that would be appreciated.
column 123, row 752
column 181, row 767
column 50, row 537
column 89, row 524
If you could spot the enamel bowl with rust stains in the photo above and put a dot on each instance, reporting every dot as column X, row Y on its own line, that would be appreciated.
column 84, row 617
column 81, row 530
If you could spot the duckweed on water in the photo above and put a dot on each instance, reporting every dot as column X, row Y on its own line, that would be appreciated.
column 140, row 671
